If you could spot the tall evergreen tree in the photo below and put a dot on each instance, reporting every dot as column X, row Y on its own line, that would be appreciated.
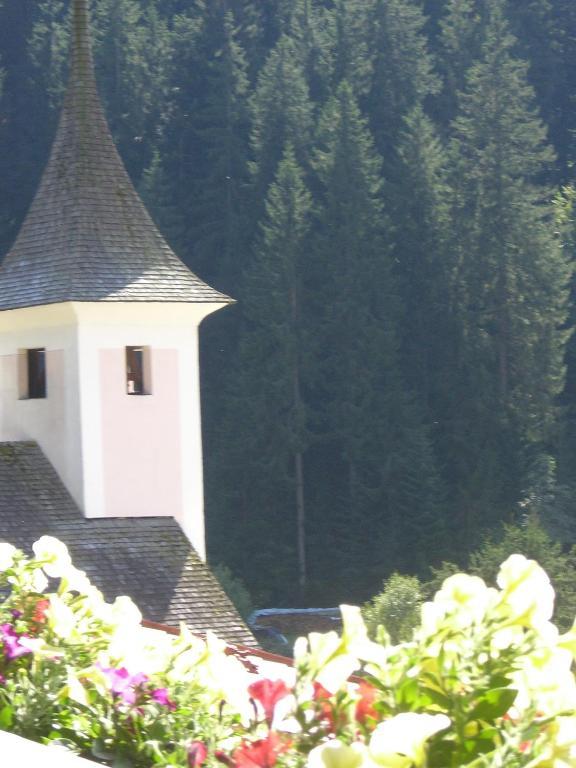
column 352, row 34
column 26, row 124
column 511, row 284
column 403, row 68
column 422, row 262
column 132, row 49
column 460, row 41
column 386, row 512
column 281, row 113
column 261, row 463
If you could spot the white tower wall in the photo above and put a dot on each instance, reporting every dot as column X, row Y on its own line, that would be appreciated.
column 120, row 455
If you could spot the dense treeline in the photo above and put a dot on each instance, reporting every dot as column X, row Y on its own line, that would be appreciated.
column 385, row 188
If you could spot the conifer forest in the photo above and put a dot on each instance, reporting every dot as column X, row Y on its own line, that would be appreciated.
column 388, row 190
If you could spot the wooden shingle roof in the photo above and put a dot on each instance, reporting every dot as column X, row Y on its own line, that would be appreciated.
column 150, row 559
column 88, row 236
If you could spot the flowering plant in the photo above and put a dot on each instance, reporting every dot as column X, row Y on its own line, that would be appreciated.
column 485, row 681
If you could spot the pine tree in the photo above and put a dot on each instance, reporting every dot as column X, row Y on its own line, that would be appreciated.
column 420, row 251
column 310, row 26
column 27, row 123
column 261, row 459
column 351, row 21
column 132, row 47
column 281, row 113
column 459, row 46
column 386, row 508
column 48, row 46
column 511, row 282
column 403, row 68
column 220, row 179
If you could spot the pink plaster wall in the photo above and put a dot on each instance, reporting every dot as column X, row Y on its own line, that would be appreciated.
column 141, row 438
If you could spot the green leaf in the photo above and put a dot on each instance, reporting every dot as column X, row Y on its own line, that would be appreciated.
column 437, row 697
column 6, row 717
column 493, row 704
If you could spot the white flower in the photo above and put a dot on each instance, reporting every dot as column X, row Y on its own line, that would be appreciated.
column 400, row 741
column 7, row 552
column 53, row 554
column 77, row 581
column 465, row 599
column 334, row 754
column 526, row 591
column 61, row 618
column 326, row 658
column 125, row 612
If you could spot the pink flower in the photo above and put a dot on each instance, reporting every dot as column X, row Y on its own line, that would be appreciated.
column 13, row 647
column 160, row 695
column 268, row 693
column 122, row 683
column 197, row 753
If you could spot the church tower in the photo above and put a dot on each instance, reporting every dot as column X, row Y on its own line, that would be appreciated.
column 99, row 328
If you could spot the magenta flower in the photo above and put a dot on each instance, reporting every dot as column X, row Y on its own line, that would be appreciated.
column 122, row 683
column 197, row 754
column 13, row 647
column 160, row 695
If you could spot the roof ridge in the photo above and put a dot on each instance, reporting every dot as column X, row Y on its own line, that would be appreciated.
column 88, row 235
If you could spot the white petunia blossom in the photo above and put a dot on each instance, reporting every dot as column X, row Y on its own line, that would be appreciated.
column 335, row 754
column 7, row 552
column 54, row 555
column 526, row 591
column 400, row 741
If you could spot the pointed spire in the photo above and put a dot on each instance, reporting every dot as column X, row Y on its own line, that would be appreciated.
column 88, row 236
column 81, row 59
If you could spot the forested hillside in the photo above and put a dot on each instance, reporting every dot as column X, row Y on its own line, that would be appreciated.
column 385, row 188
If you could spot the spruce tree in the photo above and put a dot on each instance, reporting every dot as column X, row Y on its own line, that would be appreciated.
column 281, row 113
column 422, row 262
column 459, row 46
column 385, row 509
column 351, row 54
column 403, row 68
column 27, row 122
column 218, row 182
column 261, row 458
column 132, row 48
column 511, row 281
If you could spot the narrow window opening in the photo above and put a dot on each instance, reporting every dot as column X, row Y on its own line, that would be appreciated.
column 137, row 370
column 36, row 370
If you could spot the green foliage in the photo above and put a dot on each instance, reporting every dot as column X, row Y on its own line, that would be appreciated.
column 235, row 589
column 486, row 680
column 396, row 608
column 510, row 286
column 432, row 273
column 530, row 539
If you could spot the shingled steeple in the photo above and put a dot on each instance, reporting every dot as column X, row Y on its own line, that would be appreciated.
column 88, row 236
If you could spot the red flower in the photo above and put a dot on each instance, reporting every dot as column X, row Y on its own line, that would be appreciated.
column 197, row 753
column 327, row 708
column 260, row 754
column 40, row 610
column 268, row 693
column 322, row 696
column 365, row 705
